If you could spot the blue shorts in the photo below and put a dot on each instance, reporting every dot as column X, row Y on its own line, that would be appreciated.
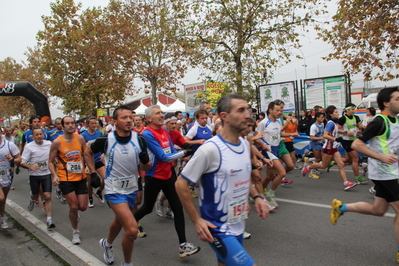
column 316, row 145
column 230, row 251
column 119, row 198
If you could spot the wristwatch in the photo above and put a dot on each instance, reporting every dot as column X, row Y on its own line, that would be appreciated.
column 258, row 196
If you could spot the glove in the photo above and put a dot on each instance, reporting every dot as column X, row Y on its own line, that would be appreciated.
column 143, row 156
column 189, row 152
column 186, row 146
column 95, row 180
column 339, row 139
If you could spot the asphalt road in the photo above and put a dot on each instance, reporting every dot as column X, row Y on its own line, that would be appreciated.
column 297, row 233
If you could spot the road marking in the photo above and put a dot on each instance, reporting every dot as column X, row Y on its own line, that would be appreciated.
column 66, row 243
column 305, row 203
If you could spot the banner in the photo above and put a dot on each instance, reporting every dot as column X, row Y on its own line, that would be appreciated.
column 214, row 91
column 193, row 95
column 325, row 91
column 282, row 91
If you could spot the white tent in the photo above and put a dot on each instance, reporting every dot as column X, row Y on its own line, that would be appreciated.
column 140, row 110
column 163, row 107
column 176, row 106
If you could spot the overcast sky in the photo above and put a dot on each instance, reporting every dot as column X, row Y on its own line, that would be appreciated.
column 21, row 20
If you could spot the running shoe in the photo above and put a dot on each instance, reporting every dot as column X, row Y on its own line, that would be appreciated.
column 193, row 194
column 3, row 221
column 37, row 201
column 141, row 232
column 169, row 214
column 58, row 194
column 50, row 224
column 44, row 206
column 76, row 238
column 305, row 169
column 335, row 211
column 348, row 185
column 314, row 176
column 297, row 166
column 361, row 180
column 108, row 252
column 372, row 191
column 187, row 249
column 286, row 181
column 330, row 165
column 91, row 204
column 271, row 207
column 272, row 200
column 31, row 205
column 99, row 196
column 246, row 235
column 317, row 172
column 159, row 206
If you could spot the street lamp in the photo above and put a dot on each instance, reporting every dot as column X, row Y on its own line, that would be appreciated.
column 305, row 65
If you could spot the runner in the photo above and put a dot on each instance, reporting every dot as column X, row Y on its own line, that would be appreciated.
column 90, row 135
column 271, row 126
column 330, row 148
column 123, row 151
column 138, row 125
column 110, row 127
column 35, row 158
column 350, row 123
column 162, row 177
column 9, row 153
column 383, row 153
column 316, row 142
column 68, row 150
column 200, row 132
column 222, row 167
column 53, row 135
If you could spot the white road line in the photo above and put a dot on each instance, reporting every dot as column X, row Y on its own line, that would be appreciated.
column 318, row 205
column 76, row 250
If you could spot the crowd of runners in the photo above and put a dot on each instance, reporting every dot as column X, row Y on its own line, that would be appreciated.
column 135, row 163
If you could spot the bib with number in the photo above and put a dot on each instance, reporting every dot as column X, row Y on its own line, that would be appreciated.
column 123, row 184
column 4, row 173
column 238, row 211
column 42, row 165
column 74, row 167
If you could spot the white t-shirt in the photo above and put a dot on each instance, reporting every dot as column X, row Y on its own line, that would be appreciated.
column 110, row 128
column 37, row 154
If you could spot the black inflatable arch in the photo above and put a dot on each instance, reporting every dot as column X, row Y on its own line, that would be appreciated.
column 27, row 90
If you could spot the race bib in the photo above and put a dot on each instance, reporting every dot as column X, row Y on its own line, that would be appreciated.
column 238, row 211
column 123, row 184
column 74, row 167
column 42, row 165
column 335, row 145
column 273, row 139
column 167, row 150
column 4, row 173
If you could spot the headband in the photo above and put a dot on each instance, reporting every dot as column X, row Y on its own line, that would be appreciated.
column 350, row 107
column 169, row 119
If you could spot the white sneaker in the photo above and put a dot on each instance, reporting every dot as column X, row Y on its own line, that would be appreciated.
column 159, row 206
column 169, row 214
column 246, row 235
column 108, row 252
column 76, row 238
column 187, row 249
column 3, row 221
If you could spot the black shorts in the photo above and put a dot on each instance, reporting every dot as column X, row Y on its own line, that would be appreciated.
column 290, row 146
column 140, row 184
column 36, row 180
column 346, row 144
column 80, row 187
column 387, row 189
column 98, row 165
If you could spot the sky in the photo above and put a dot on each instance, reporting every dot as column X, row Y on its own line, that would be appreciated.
column 21, row 20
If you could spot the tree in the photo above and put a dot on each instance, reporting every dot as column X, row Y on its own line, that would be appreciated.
column 82, row 58
column 244, row 40
column 365, row 37
column 154, row 35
